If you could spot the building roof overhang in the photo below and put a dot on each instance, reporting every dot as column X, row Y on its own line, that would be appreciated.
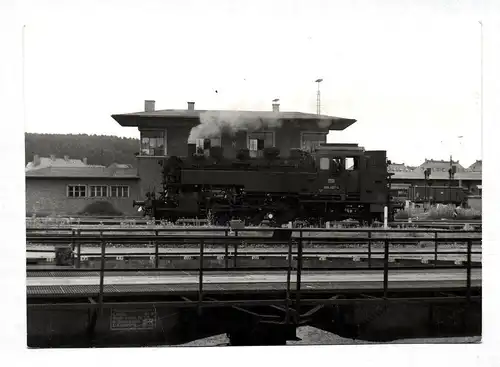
column 165, row 118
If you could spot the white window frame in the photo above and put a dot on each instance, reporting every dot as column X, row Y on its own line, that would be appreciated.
column 119, row 188
column 199, row 144
column 304, row 133
column 102, row 189
column 261, row 132
column 165, row 151
column 73, row 186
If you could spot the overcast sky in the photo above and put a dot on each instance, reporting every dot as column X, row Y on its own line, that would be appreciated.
column 409, row 73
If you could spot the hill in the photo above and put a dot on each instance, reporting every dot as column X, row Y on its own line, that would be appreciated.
column 99, row 149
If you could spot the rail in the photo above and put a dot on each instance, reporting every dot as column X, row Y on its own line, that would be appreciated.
column 109, row 221
column 292, row 247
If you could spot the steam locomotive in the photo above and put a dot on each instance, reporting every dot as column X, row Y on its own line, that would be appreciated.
column 333, row 182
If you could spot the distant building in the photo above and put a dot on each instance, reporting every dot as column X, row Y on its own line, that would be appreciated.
column 67, row 187
column 398, row 167
column 440, row 165
column 477, row 166
column 466, row 178
column 43, row 162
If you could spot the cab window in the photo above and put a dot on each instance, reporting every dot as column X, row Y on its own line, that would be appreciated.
column 337, row 164
column 352, row 163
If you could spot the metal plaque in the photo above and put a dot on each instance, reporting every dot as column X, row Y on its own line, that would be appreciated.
column 133, row 319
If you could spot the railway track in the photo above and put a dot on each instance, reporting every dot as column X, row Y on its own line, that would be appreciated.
column 132, row 222
column 44, row 254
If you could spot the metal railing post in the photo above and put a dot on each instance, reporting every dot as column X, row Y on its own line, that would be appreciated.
column 72, row 246
column 369, row 249
column 435, row 248
column 386, row 266
column 157, row 252
column 200, row 274
column 299, row 277
column 226, row 250
column 72, row 239
column 469, row 268
column 101, row 274
column 288, row 281
column 235, row 249
column 78, row 250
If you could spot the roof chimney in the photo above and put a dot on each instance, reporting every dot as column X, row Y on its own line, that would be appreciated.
column 276, row 105
column 36, row 160
column 85, row 160
column 66, row 158
column 190, row 106
column 52, row 157
column 149, row 105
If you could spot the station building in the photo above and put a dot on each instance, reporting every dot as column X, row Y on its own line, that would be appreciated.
column 166, row 133
column 63, row 186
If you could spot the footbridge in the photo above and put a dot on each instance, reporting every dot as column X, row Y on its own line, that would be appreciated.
column 167, row 286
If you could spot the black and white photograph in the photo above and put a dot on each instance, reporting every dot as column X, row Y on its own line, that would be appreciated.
column 253, row 174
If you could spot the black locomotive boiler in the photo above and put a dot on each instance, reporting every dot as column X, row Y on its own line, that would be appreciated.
column 331, row 183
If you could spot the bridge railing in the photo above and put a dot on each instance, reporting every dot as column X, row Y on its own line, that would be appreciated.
column 228, row 243
column 293, row 244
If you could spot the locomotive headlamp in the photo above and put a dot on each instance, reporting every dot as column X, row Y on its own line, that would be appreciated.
column 140, row 209
column 270, row 216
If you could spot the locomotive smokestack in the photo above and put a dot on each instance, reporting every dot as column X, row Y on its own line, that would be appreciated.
column 149, row 105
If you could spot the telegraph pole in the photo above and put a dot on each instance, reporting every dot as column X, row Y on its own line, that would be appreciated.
column 23, row 71
column 481, row 100
column 449, row 185
column 318, row 98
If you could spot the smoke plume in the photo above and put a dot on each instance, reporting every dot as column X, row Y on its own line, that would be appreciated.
column 214, row 123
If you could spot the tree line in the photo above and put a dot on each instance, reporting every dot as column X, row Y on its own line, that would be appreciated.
column 98, row 149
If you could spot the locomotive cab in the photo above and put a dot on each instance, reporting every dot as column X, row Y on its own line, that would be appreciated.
column 339, row 170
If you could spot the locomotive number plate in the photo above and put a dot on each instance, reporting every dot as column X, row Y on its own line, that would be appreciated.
column 331, row 187
column 331, row 180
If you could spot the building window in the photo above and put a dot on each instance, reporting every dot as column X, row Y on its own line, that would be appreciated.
column 202, row 144
column 311, row 141
column 215, row 142
column 119, row 191
column 76, row 191
column 153, row 143
column 98, row 191
column 257, row 141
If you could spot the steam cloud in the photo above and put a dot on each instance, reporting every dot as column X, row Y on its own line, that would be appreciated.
column 214, row 123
